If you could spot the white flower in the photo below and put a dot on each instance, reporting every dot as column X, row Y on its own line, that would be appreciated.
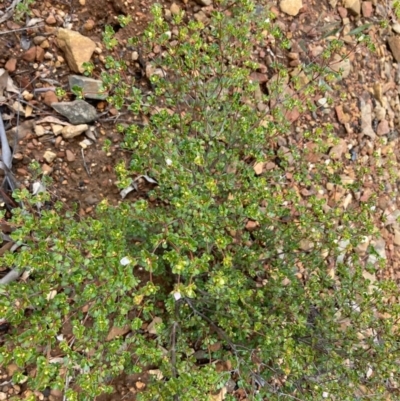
column 125, row 261
column 168, row 161
column 325, row 394
column 177, row 296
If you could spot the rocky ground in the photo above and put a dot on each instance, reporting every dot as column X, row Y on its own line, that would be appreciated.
column 76, row 144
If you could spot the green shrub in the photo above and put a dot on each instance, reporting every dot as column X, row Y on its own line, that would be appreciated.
column 250, row 280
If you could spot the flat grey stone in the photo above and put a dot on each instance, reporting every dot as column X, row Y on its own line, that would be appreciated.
column 77, row 112
column 91, row 88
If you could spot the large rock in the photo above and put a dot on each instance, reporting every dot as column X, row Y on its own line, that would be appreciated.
column 291, row 7
column 77, row 112
column 394, row 44
column 78, row 49
column 91, row 88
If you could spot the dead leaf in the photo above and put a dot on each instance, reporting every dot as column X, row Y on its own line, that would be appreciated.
column 6, row 247
column 117, row 332
column 38, row 187
column 126, row 191
column 3, row 82
column 134, row 185
column 17, row 106
column 23, row 130
column 5, row 227
column 51, row 119
column 6, row 82
column 34, row 21
column 377, row 89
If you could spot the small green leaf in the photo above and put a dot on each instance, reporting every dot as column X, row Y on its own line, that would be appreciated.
column 360, row 29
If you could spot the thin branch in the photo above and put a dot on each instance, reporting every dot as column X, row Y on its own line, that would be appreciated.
column 22, row 29
column 84, row 163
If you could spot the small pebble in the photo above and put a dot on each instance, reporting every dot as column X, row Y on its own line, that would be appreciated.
column 49, row 156
column 39, row 130
column 89, row 25
column 85, row 143
column 58, row 141
column 70, row 156
column 175, row 9
column 51, row 20
column 91, row 200
column 396, row 27
column 46, row 169
column 49, row 97
column 45, row 44
column 140, row 385
column 38, row 40
column 11, row 65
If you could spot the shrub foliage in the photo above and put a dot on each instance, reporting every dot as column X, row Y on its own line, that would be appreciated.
column 220, row 273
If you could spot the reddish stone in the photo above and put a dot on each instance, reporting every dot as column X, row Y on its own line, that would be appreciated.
column 258, row 77
column 262, row 68
column 11, row 65
column 367, row 9
column 30, row 55
column 383, row 128
column 22, row 171
column 39, row 54
column 49, row 98
column 46, row 169
column 89, row 25
column 34, row 53
column 292, row 115
column 341, row 115
column 295, row 63
column 36, row 13
column 51, row 20
column 342, row 12
column 70, row 155
column 252, row 225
